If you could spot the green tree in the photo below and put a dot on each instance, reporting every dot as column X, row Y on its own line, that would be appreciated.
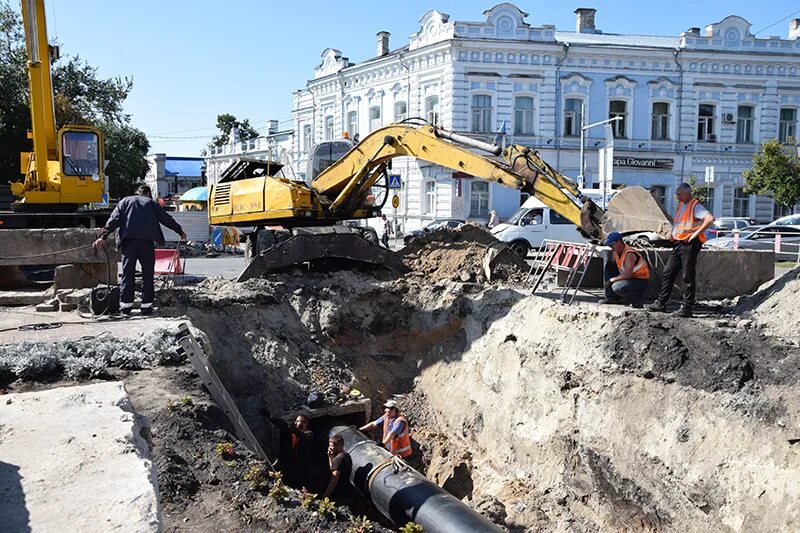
column 80, row 97
column 776, row 171
column 225, row 124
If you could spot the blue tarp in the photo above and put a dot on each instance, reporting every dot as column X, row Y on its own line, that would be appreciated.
column 185, row 167
column 196, row 194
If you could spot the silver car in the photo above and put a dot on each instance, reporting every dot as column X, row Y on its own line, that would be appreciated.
column 763, row 238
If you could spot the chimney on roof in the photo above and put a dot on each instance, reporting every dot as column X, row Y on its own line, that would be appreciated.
column 272, row 127
column 693, row 31
column 585, row 20
column 794, row 29
column 383, row 43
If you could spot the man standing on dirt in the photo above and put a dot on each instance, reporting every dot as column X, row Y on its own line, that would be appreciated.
column 341, row 465
column 689, row 233
column 396, row 432
column 626, row 273
column 139, row 220
column 387, row 230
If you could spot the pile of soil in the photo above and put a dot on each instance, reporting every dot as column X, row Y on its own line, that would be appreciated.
column 458, row 255
column 774, row 307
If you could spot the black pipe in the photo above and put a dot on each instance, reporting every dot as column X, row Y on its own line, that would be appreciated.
column 403, row 494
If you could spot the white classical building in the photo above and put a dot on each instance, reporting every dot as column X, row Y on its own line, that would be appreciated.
column 274, row 146
column 700, row 100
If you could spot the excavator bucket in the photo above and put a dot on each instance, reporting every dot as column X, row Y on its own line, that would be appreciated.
column 633, row 210
column 322, row 244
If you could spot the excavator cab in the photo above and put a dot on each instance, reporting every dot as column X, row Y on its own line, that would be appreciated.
column 325, row 154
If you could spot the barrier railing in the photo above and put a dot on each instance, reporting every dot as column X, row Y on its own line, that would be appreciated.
column 561, row 256
column 764, row 239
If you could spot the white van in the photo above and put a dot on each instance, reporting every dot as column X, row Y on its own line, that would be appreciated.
column 534, row 222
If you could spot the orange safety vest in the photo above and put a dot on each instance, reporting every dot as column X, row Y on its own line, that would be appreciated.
column 400, row 444
column 640, row 269
column 686, row 225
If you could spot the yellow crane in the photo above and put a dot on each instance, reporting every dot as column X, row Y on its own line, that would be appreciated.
column 65, row 168
column 296, row 222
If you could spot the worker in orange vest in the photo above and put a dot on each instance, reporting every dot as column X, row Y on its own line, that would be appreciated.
column 627, row 274
column 689, row 234
column 396, row 432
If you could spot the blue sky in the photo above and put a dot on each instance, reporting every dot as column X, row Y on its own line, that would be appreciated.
column 192, row 60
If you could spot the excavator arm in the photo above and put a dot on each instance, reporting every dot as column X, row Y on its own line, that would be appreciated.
column 348, row 180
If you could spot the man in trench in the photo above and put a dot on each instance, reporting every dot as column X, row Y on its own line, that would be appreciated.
column 339, row 488
column 627, row 275
column 295, row 449
column 396, row 432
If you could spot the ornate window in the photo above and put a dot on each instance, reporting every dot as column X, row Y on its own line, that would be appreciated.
column 374, row 118
column 572, row 117
column 432, row 110
column 307, row 137
column 481, row 113
column 400, row 111
column 329, row 128
column 660, row 125
column 706, row 123
column 618, row 109
column 523, row 115
column 744, row 124
column 352, row 124
column 787, row 128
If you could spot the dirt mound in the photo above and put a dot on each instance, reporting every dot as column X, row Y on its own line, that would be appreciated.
column 775, row 306
column 458, row 255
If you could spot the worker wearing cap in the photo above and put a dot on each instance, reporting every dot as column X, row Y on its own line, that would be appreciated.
column 396, row 433
column 689, row 234
column 139, row 220
column 627, row 274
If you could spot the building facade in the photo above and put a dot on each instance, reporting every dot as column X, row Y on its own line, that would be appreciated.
column 170, row 175
column 274, row 146
column 694, row 105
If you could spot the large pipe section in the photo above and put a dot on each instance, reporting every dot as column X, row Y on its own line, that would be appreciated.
column 402, row 494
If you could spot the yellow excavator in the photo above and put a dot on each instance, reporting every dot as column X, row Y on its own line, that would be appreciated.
column 65, row 169
column 296, row 223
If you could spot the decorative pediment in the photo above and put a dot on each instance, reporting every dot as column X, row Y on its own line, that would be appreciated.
column 620, row 86
column 505, row 18
column 662, row 87
column 433, row 28
column 373, row 95
column 332, row 62
column 397, row 89
column 575, row 83
column 733, row 33
column 505, row 21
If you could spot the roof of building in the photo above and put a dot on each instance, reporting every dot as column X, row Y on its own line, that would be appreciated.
column 615, row 39
column 183, row 166
column 195, row 194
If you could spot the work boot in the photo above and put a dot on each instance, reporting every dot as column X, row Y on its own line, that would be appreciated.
column 657, row 306
column 608, row 301
column 684, row 312
column 146, row 311
column 637, row 305
column 126, row 311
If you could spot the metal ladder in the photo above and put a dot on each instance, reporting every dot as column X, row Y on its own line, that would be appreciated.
column 194, row 352
column 562, row 256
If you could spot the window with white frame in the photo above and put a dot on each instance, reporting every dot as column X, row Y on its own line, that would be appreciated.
column 787, row 128
column 481, row 113
column 706, row 122
column 329, row 128
column 307, row 137
column 432, row 110
column 478, row 198
column 400, row 111
column 618, row 109
column 572, row 117
column 660, row 125
column 429, row 198
column 659, row 192
column 352, row 124
column 374, row 118
column 523, row 115
column 745, row 116
column 741, row 203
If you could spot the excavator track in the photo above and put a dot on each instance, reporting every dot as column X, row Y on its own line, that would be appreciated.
column 318, row 245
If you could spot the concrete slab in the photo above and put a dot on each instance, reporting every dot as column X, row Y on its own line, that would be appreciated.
column 24, row 297
column 53, row 247
column 73, row 459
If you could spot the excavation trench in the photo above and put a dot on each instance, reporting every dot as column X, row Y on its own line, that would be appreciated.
column 538, row 416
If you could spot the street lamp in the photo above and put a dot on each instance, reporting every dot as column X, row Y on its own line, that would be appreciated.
column 584, row 129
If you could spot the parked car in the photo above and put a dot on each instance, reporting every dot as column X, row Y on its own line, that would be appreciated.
column 788, row 220
column 433, row 226
column 763, row 238
column 532, row 224
column 724, row 226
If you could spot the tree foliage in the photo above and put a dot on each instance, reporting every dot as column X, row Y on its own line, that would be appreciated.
column 225, row 124
column 80, row 97
column 776, row 171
